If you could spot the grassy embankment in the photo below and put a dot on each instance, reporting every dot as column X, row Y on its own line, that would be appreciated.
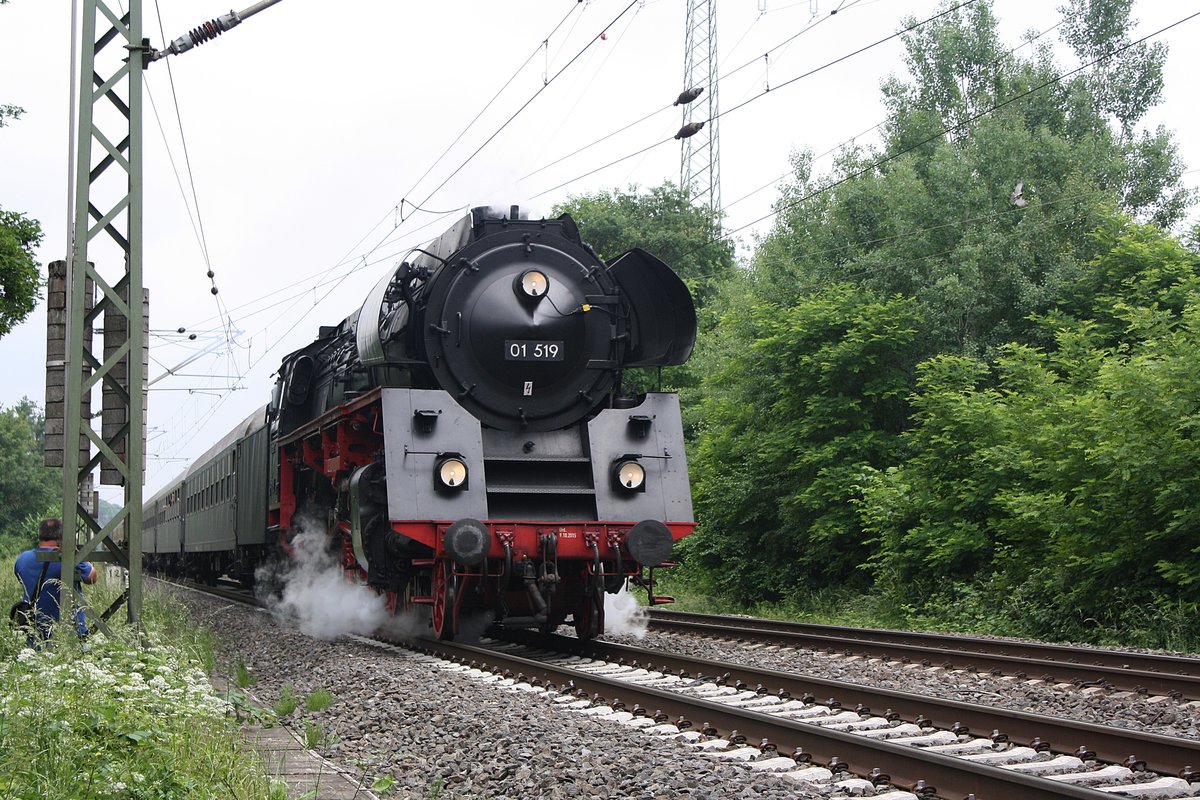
column 1167, row 625
column 123, row 719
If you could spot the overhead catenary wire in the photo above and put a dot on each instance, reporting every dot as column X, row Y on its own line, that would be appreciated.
column 1028, row 42
column 198, row 222
column 840, row 59
column 652, row 114
column 875, row 164
column 965, row 122
column 581, row 94
column 528, row 102
column 361, row 260
column 813, row 21
column 762, row 94
column 482, row 111
column 403, row 200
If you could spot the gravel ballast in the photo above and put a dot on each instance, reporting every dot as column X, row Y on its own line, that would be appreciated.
column 441, row 734
column 1135, row 712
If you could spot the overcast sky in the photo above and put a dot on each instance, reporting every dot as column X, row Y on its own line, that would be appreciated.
column 309, row 123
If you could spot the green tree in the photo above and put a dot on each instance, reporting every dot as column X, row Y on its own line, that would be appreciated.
column 977, row 204
column 27, row 487
column 1067, row 476
column 1137, row 266
column 20, row 277
column 662, row 221
column 790, row 421
column 978, row 210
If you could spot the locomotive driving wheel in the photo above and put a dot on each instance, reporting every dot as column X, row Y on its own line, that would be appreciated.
column 589, row 617
column 445, row 601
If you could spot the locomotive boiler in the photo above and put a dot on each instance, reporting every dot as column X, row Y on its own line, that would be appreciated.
column 465, row 439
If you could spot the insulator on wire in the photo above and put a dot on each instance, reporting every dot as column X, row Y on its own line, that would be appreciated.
column 691, row 129
column 199, row 35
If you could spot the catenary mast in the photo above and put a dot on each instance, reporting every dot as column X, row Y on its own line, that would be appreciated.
column 100, row 288
column 700, row 170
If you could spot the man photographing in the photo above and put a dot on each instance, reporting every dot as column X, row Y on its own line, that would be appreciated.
column 47, row 600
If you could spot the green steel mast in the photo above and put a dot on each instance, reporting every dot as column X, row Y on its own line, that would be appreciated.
column 102, row 283
column 106, row 253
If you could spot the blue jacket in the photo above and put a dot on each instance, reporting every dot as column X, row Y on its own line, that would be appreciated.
column 28, row 569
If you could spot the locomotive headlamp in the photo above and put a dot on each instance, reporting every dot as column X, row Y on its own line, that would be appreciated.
column 534, row 283
column 628, row 475
column 451, row 472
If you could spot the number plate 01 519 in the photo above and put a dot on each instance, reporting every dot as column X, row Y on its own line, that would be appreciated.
column 529, row 350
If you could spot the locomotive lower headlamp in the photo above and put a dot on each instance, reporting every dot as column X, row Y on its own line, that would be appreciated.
column 534, row 283
column 451, row 473
column 629, row 475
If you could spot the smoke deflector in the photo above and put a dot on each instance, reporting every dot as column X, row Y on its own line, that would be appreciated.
column 663, row 316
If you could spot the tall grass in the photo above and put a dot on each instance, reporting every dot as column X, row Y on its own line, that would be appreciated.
column 130, row 716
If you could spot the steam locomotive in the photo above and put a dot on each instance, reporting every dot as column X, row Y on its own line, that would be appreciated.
column 464, row 440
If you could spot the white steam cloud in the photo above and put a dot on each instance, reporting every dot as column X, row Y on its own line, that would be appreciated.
column 313, row 594
column 623, row 616
column 316, row 596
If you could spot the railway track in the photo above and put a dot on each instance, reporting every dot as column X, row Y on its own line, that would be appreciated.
column 832, row 736
column 919, row 745
column 1119, row 670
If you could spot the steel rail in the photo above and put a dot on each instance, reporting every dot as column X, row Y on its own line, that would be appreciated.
column 1164, row 754
column 906, row 765
column 1176, row 676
